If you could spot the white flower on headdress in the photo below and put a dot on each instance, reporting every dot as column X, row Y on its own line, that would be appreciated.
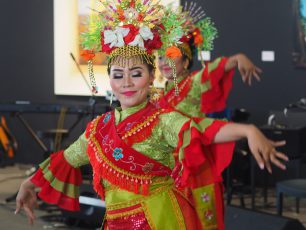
column 115, row 37
column 144, row 34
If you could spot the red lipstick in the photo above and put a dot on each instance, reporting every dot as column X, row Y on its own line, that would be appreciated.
column 129, row 93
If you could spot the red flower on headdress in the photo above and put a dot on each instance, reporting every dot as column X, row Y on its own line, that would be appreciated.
column 105, row 47
column 132, row 33
column 185, row 38
column 198, row 39
column 88, row 55
column 161, row 26
column 153, row 44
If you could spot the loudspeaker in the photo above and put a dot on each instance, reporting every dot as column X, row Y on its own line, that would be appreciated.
column 92, row 209
column 241, row 219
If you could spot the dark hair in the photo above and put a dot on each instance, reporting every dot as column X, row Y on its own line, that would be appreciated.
column 193, row 53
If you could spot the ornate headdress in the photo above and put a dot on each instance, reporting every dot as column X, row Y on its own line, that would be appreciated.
column 133, row 28
column 201, row 31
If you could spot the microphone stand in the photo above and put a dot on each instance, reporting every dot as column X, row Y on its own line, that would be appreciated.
column 92, row 99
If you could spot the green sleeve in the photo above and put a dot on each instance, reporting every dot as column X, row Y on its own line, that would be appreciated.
column 76, row 154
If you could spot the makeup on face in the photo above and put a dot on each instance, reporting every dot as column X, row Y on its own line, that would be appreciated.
column 130, row 84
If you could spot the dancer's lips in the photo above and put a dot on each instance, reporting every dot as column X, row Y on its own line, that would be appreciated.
column 129, row 93
column 167, row 69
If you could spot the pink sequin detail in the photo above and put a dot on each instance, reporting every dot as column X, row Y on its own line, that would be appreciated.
column 133, row 222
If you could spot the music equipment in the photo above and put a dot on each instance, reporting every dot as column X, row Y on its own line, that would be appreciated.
column 291, row 127
column 28, row 107
column 8, row 143
column 20, row 107
column 290, row 119
column 295, row 138
column 242, row 219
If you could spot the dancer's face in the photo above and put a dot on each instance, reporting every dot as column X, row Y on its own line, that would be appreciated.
column 130, row 84
column 166, row 70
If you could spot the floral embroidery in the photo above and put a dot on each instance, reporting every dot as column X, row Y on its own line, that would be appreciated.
column 147, row 167
column 205, row 197
column 106, row 118
column 129, row 126
column 209, row 214
column 117, row 154
column 132, row 130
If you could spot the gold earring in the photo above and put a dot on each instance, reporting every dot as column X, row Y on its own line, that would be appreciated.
column 154, row 94
column 173, row 67
column 94, row 87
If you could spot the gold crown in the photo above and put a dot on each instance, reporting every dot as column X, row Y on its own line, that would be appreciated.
column 123, row 55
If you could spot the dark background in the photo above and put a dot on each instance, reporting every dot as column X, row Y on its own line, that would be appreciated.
column 248, row 26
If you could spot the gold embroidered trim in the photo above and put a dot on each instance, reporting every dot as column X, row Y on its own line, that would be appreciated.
column 155, row 181
column 125, row 204
column 108, row 164
column 124, row 213
column 177, row 209
column 139, row 127
column 148, row 216
column 183, row 195
column 180, row 89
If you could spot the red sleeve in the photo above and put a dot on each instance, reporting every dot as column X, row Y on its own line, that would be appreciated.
column 59, row 182
column 203, row 161
column 214, row 99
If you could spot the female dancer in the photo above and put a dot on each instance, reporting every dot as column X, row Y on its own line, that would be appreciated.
column 155, row 168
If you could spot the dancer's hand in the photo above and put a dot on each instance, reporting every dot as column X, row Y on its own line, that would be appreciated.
column 247, row 69
column 26, row 199
column 264, row 150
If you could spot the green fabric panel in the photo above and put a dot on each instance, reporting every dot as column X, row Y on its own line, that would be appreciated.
column 191, row 104
column 76, row 154
column 120, row 114
column 164, row 138
column 195, row 90
column 201, row 127
column 205, row 86
column 186, row 142
column 45, row 163
column 171, row 124
column 119, row 196
column 164, row 215
column 213, row 65
column 65, row 188
column 204, row 197
column 205, row 203
column 170, row 84
column 159, row 205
